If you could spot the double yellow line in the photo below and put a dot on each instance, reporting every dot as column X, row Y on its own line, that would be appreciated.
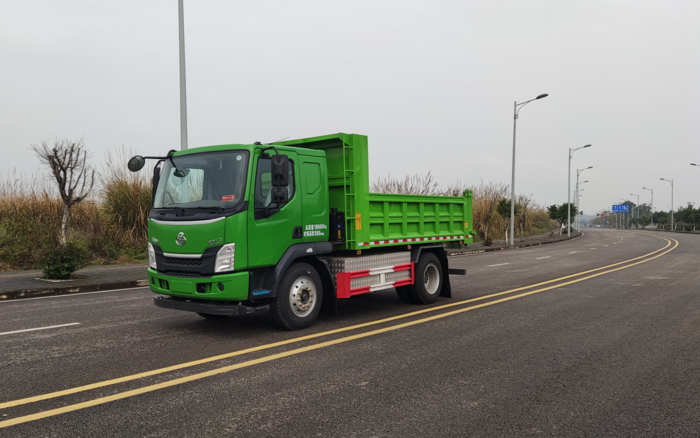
column 671, row 244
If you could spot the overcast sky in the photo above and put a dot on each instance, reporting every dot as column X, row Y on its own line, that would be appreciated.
column 432, row 83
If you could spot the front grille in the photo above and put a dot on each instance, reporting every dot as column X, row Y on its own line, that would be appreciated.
column 183, row 262
column 186, row 274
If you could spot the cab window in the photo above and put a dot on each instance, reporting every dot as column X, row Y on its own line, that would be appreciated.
column 263, row 184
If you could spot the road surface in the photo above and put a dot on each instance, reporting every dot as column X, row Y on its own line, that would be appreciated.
column 596, row 337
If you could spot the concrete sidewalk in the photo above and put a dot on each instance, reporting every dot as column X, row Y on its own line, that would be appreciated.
column 27, row 284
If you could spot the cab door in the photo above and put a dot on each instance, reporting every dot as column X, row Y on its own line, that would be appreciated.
column 272, row 226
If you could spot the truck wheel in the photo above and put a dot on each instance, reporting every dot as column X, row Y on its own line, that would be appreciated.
column 405, row 294
column 210, row 316
column 299, row 296
column 428, row 277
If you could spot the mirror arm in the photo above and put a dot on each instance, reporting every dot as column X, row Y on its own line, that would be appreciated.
column 170, row 154
column 265, row 154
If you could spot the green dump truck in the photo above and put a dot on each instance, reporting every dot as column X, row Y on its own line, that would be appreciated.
column 291, row 225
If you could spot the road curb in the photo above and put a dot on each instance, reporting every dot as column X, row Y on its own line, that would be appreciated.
column 67, row 290
column 505, row 248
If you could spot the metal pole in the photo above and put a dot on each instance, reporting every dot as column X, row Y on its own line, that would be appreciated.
column 512, row 184
column 183, row 94
column 672, row 229
column 568, row 199
column 652, row 207
column 578, row 172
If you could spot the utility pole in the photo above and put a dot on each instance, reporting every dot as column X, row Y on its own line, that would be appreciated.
column 183, row 91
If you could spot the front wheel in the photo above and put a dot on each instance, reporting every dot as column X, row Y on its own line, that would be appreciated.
column 428, row 279
column 298, row 299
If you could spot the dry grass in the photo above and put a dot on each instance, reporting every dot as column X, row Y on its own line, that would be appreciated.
column 126, row 199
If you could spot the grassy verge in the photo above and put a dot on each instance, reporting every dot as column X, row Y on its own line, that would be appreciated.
column 111, row 225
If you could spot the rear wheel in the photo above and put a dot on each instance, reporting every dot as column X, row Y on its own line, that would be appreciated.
column 428, row 279
column 298, row 299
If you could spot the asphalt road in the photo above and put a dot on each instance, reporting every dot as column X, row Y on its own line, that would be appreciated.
column 608, row 346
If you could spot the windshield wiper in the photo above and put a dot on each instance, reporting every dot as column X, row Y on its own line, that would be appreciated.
column 211, row 208
column 177, row 209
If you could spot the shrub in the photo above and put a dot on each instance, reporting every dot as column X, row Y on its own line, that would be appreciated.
column 59, row 263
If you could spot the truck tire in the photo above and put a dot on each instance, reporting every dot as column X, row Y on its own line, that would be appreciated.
column 428, row 279
column 211, row 316
column 298, row 299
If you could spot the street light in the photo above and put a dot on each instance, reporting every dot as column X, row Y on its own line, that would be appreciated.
column 568, row 191
column 632, row 194
column 183, row 91
column 652, row 205
column 577, row 196
column 578, row 172
column 671, row 181
column 626, row 202
column 516, row 110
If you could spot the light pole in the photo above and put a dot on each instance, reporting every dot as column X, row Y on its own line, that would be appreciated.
column 632, row 194
column 652, row 205
column 568, row 190
column 627, row 221
column 577, row 202
column 516, row 110
column 671, row 181
column 578, row 172
column 183, row 92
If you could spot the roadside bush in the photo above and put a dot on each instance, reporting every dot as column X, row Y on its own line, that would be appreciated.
column 60, row 262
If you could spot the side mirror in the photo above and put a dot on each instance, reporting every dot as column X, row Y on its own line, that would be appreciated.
column 136, row 163
column 280, row 172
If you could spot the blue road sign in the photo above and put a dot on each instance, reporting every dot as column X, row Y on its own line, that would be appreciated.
column 623, row 208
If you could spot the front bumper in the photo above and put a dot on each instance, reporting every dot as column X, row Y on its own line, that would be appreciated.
column 210, row 308
column 223, row 287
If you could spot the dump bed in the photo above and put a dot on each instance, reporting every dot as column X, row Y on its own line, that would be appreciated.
column 376, row 219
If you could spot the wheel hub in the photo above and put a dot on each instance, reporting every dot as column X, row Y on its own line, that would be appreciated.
column 302, row 296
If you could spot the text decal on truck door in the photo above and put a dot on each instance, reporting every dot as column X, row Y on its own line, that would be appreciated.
column 315, row 230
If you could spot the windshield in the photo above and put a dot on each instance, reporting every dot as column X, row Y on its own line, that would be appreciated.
column 204, row 180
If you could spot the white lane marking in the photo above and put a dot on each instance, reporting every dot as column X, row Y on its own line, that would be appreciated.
column 594, row 248
column 540, row 258
column 71, row 295
column 573, row 252
column 500, row 264
column 39, row 328
column 607, row 245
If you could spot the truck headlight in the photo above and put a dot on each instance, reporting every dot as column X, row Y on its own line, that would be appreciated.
column 224, row 258
column 152, row 256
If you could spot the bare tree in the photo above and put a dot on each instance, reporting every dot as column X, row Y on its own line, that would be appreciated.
column 67, row 162
column 523, row 218
column 414, row 185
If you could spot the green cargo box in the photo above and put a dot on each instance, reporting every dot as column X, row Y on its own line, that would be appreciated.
column 377, row 219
